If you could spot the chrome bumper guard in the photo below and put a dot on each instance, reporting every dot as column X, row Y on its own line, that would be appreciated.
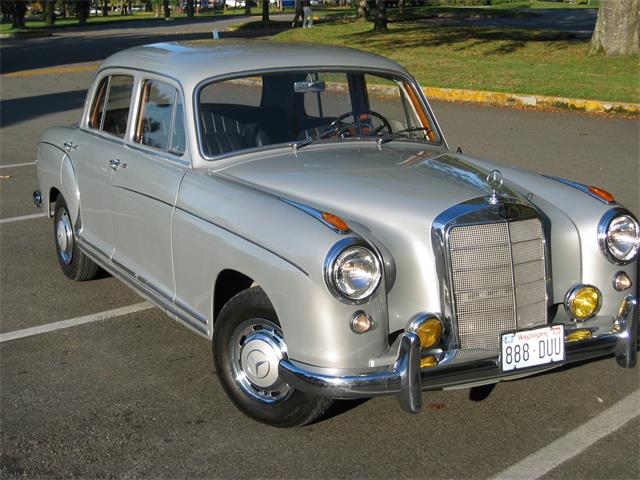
column 407, row 380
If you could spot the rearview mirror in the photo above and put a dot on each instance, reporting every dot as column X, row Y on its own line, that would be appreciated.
column 309, row 86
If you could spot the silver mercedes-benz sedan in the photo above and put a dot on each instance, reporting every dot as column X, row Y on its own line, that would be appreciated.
column 299, row 206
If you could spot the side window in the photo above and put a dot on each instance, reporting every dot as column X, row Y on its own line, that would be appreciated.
column 95, row 117
column 161, row 118
column 116, row 112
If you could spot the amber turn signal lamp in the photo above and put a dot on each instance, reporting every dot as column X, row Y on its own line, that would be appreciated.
column 601, row 193
column 578, row 335
column 335, row 221
column 429, row 332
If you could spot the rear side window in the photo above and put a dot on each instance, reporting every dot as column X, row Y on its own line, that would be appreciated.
column 160, row 121
column 110, row 110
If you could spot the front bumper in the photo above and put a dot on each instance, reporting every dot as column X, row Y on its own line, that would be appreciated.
column 407, row 380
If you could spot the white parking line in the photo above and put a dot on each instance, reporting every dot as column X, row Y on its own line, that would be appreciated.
column 50, row 327
column 13, row 165
column 575, row 442
column 23, row 217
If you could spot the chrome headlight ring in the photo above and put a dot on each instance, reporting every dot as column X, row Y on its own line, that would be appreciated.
column 352, row 271
column 614, row 223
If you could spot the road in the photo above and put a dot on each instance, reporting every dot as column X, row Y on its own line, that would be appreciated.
column 135, row 396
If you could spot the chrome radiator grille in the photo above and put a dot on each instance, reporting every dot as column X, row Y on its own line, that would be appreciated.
column 499, row 281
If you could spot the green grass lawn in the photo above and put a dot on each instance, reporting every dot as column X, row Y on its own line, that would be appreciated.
column 503, row 60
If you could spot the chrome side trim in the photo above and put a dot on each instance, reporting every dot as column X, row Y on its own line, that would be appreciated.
column 317, row 214
column 406, row 379
column 603, row 226
column 197, row 324
column 137, row 192
column 583, row 188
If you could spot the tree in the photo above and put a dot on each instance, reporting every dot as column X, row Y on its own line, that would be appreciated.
column 617, row 29
column 105, row 8
column 380, row 19
column 167, row 10
column 265, row 11
column 82, row 10
column 363, row 7
column 189, row 7
column 247, row 7
column 18, row 11
column 50, row 12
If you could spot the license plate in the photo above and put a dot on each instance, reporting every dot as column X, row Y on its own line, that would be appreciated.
column 530, row 348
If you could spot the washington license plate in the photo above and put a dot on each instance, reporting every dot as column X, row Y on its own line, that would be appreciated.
column 530, row 348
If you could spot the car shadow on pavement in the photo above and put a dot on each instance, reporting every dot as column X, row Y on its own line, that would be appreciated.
column 17, row 110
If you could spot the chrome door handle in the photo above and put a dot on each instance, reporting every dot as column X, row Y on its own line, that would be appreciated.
column 116, row 163
column 68, row 146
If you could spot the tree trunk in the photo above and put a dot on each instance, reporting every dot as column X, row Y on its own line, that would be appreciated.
column 363, row 8
column 617, row 29
column 265, row 11
column 380, row 21
column 400, row 6
column 247, row 7
column 50, row 12
column 7, row 11
column 82, row 10
column 19, row 11
column 63, row 9
column 105, row 8
column 165, row 6
column 189, row 6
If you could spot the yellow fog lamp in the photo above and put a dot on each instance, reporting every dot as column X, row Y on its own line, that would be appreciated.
column 583, row 302
column 428, row 362
column 578, row 335
column 428, row 329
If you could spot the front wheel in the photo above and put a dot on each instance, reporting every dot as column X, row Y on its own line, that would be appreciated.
column 247, row 347
column 74, row 264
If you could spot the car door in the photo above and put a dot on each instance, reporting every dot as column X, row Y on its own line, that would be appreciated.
column 145, row 185
column 92, row 150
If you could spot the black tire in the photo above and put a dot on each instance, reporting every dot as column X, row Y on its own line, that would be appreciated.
column 245, row 318
column 74, row 264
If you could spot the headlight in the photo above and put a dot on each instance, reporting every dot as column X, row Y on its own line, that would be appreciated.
column 619, row 235
column 352, row 272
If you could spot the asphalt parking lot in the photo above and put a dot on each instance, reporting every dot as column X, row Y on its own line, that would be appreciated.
column 135, row 396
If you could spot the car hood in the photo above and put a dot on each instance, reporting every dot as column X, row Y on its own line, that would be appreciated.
column 396, row 186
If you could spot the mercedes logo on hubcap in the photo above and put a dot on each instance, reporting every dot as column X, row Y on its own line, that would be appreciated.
column 258, row 365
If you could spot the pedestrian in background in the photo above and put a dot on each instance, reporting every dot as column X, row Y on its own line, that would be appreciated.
column 307, row 14
column 297, row 13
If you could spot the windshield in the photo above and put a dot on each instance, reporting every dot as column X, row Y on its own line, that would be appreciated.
column 303, row 106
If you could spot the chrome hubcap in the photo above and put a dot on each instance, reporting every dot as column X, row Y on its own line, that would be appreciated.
column 257, row 350
column 64, row 237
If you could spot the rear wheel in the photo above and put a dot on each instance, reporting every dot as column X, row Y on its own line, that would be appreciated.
column 247, row 346
column 75, row 264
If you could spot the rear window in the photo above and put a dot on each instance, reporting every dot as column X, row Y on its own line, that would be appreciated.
column 110, row 109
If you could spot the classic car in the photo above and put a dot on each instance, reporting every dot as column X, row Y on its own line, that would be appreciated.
column 299, row 206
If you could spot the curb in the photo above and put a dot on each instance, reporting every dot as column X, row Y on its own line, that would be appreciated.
column 531, row 101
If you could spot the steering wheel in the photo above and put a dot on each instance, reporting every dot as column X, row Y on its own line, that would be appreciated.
column 339, row 129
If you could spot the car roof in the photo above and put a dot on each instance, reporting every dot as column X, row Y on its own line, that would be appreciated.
column 192, row 61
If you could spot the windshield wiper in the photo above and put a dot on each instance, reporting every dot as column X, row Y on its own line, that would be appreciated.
column 295, row 146
column 402, row 133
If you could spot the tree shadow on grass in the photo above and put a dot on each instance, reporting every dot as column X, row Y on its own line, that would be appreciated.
column 462, row 38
